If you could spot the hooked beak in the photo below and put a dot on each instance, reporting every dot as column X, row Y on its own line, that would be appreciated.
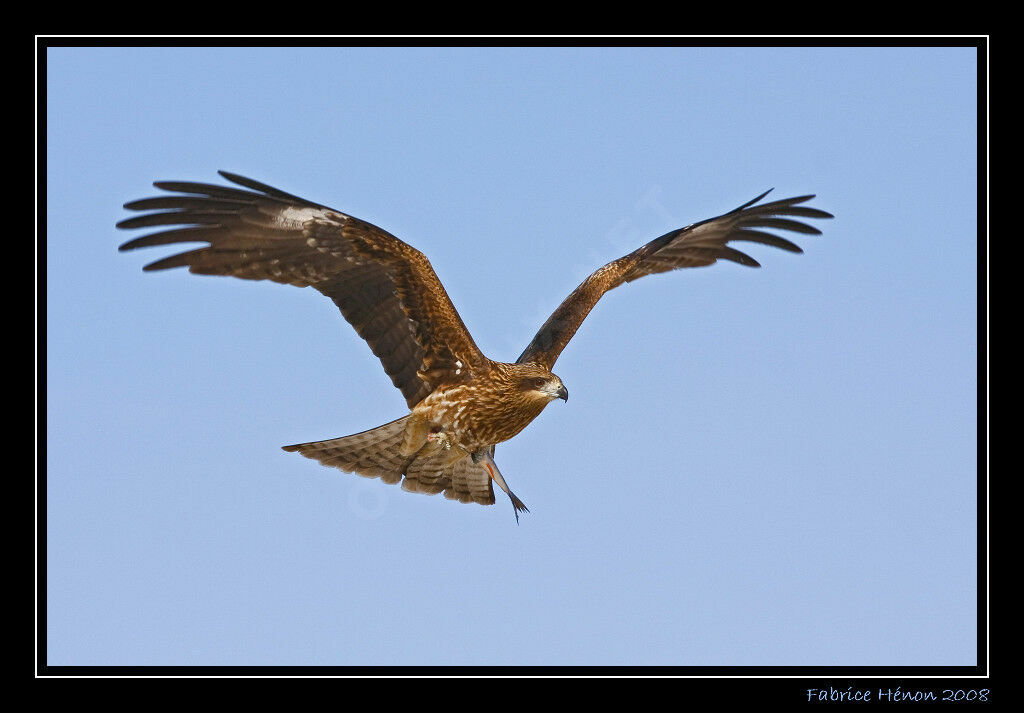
column 553, row 392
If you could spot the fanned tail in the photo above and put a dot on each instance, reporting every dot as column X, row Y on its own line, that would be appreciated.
column 377, row 453
column 373, row 454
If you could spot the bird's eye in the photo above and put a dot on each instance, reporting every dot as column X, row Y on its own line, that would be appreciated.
column 531, row 383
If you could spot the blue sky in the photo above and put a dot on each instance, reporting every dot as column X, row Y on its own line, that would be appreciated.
column 756, row 467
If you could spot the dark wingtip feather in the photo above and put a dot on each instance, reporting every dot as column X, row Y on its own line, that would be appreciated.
column 154, row 266
column 251, row 184
column 233, row 177
column 803, row 212
column 726, row 253
column 782, row 224
column 143, row 241
column 755, row 200
column 175, row 186
column 178, row 260
column 142, row 221
column 192, row 234
column 262, row 187
column 158, row 265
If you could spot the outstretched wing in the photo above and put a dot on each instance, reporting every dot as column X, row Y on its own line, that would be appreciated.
column 385, row 288
column 696, row 245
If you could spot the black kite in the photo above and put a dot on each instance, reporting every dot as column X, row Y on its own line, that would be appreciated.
column 461, row 403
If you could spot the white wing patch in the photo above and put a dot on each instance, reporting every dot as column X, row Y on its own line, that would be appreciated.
column 296, row 217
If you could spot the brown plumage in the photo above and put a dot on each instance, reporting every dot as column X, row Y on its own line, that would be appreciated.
column 461, row 403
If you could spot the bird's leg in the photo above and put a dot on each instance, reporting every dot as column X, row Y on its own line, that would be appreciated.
column 483, row 459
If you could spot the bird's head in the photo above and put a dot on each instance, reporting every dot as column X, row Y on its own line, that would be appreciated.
column 538, row 383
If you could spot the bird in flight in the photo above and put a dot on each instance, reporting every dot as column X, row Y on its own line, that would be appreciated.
column 461, row 403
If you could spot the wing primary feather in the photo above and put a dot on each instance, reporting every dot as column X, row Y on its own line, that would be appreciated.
column 261, row 187
column 753, row 201
column 175, row 218
column 736, row 256
column 802, row 212
column 204, row 189
column 783, row 224
column 177, row 260
column 756, row 236
column 194, row 234
column 185, row 203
